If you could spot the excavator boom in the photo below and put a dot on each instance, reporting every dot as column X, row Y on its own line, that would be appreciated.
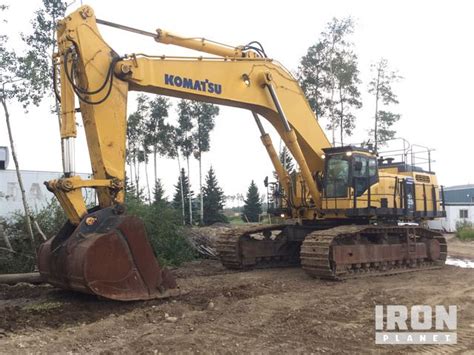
column 104, row 251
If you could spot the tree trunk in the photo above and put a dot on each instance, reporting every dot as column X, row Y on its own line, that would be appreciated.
column 13, row 279
column 342, row 115
column 5, row 239
column 376, row 110
column 201, row 198
column 39, row 230
column 136, row 164
column 18, row 175
column 155, row 166
column 147, row 180
column 189, row 195
column 182, row 191
column 130, row 178
column 331, row 107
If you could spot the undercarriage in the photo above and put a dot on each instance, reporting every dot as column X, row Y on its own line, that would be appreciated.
column 335, row 252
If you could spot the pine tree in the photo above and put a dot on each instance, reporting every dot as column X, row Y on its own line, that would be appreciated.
column 287, row 162
column 187, row 193
column 132, row 193
column 213, row 199
column 159, row 193
column 204, row 115
column 252, row 204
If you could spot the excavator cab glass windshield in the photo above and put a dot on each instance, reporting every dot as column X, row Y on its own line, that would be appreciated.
column 337, row 176
column 364, row 173
column 349, row 170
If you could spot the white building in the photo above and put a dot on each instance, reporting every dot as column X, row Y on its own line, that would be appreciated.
column 36, row 193
column 459, row 203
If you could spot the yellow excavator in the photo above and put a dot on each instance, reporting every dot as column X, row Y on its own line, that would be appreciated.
column 347, row 212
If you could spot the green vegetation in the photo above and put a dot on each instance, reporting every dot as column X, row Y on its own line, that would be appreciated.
column 162, row 222
column 329, row 76
column 253, row 204
column 163, row 225
column 42, row 307
column 213, row 198
column 22, row 256
column 183, row 198
column 465, row 230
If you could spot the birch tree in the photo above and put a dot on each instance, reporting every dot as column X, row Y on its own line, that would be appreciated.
column 184, row 141
column 159, row 134
column 204, row 115
column 380, row 86
column 20, row 82
column 328, row 75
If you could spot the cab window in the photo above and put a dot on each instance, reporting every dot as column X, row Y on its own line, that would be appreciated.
column 337, row 177
column 364, row 172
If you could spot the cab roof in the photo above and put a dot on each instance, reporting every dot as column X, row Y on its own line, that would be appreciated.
column 347, row 148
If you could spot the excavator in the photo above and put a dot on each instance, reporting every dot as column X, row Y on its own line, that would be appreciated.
column 346, row 213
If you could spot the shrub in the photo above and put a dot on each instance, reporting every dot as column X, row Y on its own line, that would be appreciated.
column 466, row 234
column 163, row 225
column 50, row 219
column 465, row 230
column 162, row 222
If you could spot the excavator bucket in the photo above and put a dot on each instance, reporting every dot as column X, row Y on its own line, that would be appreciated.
column 107, row 255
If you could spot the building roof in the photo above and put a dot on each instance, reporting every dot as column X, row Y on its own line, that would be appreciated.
column 462, row 194
column 459, row 187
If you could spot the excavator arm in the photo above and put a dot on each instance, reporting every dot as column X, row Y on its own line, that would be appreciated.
column 101, row 79
column 105, row 251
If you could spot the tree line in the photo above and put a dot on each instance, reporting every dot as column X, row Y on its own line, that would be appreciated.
column 329, row 76
column 150, row 135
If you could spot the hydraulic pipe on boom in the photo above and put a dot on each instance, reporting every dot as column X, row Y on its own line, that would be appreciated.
column 195, row 43
column 292, row 142
column 283, row 176
column 199, row 44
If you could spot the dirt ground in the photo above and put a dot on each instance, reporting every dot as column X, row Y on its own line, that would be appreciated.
column 221, row 311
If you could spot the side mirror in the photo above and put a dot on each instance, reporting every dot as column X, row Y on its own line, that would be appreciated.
column 265, row 181
column 358, row 166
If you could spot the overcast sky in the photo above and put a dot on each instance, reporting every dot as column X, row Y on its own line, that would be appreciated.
column 429, row 42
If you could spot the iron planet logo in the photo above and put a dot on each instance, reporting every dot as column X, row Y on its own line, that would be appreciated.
column 422, row 324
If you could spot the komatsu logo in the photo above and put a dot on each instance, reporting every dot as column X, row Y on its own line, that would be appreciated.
column 197, row 85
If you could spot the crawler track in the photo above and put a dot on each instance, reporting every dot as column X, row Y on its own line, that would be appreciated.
column 347, row 252
column 257, row 247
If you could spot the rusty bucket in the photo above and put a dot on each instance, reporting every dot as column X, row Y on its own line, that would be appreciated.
column 107, row 255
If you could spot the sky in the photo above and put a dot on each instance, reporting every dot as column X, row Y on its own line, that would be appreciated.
column 430, row 43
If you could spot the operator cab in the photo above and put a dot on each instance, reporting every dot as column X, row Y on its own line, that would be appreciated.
column 347, row 167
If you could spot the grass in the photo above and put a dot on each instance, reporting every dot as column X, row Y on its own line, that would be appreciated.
column 235, row 220
column 465, row 230
column 43, row 306
column 465, row 234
